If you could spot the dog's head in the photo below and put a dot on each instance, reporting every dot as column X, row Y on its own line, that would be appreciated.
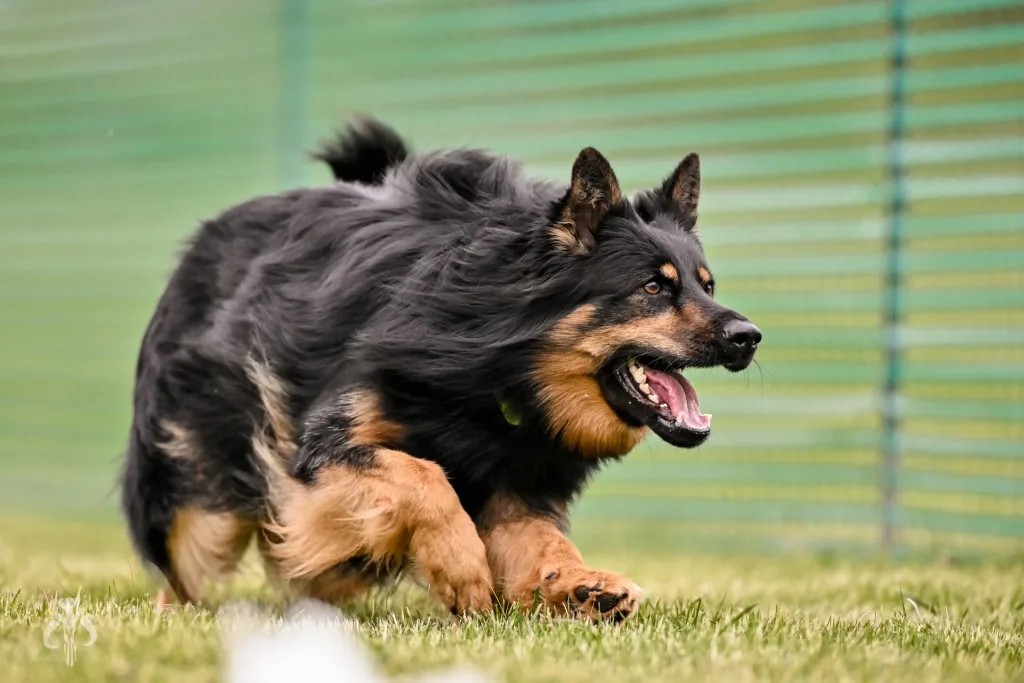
column 615, row 365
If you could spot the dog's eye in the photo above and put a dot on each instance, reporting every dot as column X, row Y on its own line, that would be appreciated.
column 652, row 287
column 709, row 287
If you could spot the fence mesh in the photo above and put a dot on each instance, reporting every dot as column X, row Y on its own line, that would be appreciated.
column 863, row 203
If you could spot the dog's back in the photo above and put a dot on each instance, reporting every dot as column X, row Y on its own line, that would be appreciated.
column 195, row 403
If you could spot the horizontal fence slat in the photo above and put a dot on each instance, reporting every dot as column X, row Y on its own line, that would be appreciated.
column 122, row 127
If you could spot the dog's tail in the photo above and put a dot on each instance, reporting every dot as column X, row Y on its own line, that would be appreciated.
column 364, row 152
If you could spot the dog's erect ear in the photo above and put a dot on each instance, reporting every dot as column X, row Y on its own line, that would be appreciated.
column 594, row 190
column 683, row 187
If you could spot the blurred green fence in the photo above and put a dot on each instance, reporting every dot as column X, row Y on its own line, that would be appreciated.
column 890, row 392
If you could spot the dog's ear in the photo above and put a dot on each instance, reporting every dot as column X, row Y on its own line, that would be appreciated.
column 682, row 188
column 593, row 191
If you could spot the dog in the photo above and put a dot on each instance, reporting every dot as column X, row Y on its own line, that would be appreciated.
column 420, row 366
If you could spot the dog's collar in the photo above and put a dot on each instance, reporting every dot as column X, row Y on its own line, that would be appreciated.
column 512, row 415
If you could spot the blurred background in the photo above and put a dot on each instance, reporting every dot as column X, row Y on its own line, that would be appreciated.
column 863, row 203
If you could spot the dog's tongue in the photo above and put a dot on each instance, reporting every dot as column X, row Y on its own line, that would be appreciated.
column 680, row 397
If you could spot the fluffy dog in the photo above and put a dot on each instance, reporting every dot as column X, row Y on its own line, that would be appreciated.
column 421, row 364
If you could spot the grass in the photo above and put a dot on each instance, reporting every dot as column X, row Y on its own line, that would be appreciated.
column 708, row 619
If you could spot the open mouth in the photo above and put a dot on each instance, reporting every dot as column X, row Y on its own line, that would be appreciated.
column 657, row 394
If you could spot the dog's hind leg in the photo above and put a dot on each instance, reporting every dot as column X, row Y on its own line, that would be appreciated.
column 167, row 496
column 204, row 546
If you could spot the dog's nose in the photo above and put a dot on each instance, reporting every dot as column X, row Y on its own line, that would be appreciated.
column 741, row 336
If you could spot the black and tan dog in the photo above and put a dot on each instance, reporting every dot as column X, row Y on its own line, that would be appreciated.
column 420, row 365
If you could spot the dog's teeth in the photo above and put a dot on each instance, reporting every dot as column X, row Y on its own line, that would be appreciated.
column 638, row 374
column 646, row 388
column 679, row 420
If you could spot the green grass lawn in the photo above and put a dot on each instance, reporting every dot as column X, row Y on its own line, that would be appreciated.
column 707, row 619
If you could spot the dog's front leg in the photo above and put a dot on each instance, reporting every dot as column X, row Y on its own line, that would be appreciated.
column 530, row 556
column 356, row 497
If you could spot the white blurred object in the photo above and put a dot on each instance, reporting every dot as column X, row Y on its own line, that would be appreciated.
column 314, row 643
column 453, row 676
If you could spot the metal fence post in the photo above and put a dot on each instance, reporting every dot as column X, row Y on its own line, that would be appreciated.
column 294, row 91
column 893, row 315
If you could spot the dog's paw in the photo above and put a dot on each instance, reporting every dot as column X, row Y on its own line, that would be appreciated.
column 465, row 595
column 454, row 563
column 594, row 595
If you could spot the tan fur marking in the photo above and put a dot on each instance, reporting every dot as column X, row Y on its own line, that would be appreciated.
column 369, row 427
column 204, row 546
column 565, row 227
column 274, row 397
column 503, row 508
column 345, row 513
column 567, row 330
column 589, row 195
column 400, row 507
column 670, row 272
column 577, row 411
column 686, row 192
column 586, row 204
column 528, row 553
column 661, row 332
column 564, row 235
column 333, row 587
column 704, row 275
column 580, row 208
column 273, row 442
column 179, row 444
column 701, row 329
column 579, row 415
column 522, row 552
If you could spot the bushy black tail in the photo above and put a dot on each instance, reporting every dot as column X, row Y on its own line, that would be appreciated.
column 364, row 152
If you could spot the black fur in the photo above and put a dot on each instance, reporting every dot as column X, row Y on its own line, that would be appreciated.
column 431, row 281
column 363, row 153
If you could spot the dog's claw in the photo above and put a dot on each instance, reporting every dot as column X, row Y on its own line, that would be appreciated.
column 591, row 595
